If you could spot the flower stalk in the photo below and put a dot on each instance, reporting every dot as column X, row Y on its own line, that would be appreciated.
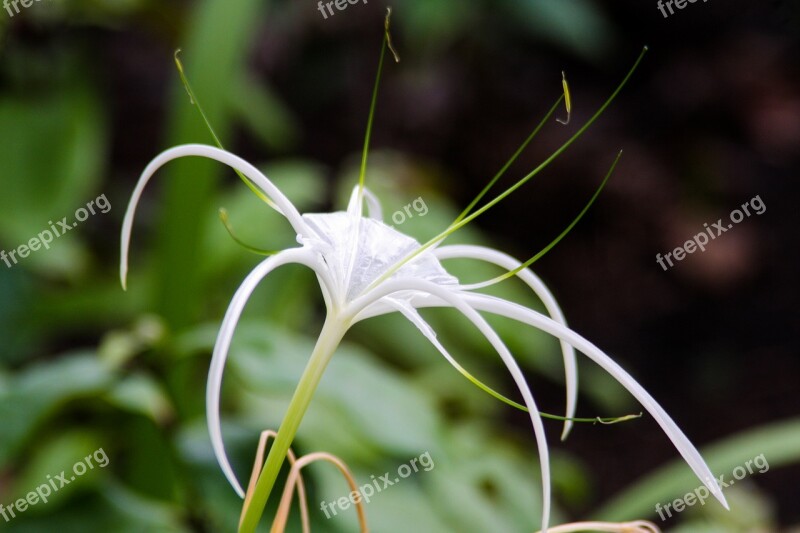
column 331, row 335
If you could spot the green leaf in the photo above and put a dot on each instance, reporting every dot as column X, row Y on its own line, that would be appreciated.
column 138, row 513
column 113, row 508
column 778, row 442
column 41, row 391
column 430, row 26
column 263, row 113
column 578, row 24
column 65, row 126
column 57, row 454
column 373, row 404
column 140, row 393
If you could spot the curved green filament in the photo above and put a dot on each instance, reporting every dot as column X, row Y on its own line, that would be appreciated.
column 457, row 225
column 195, row 102
column 510, row 162
column 487, row 389
column 529, row 262
column 223, row 216
column 387, row 43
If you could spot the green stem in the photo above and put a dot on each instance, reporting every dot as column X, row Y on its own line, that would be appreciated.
column 329, row 338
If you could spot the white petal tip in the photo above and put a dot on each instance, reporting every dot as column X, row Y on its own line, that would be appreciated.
column 123, row 274
column 566, row 431
column 719, row 496
column 716, row 491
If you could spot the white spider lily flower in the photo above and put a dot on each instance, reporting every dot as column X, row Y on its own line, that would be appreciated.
column 366, row 268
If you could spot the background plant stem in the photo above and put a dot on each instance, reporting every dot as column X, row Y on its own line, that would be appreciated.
column 215, row 50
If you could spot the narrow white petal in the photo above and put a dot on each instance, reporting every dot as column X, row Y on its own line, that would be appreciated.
column 455, row 300
column 222, row 345
column 373, row 205
column 543, row 293
column 287, row 209
column 352, row 238
column 353, row 206
column 408, row 311
column 537, row 320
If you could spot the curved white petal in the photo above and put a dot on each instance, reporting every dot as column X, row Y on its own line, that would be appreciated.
column 456, row 300
column 223, row 342
column 286, row 207
column 373, row 204
column 405, row 308
column 381, row 306
column 537, row 320
column 462, row 251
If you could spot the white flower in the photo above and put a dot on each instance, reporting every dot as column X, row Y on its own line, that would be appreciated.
column 365, row 269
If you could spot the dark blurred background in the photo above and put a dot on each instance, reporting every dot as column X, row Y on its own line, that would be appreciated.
column 89, row 94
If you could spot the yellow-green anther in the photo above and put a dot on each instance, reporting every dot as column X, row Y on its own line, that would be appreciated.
column 567, row 99
column 389, row 35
